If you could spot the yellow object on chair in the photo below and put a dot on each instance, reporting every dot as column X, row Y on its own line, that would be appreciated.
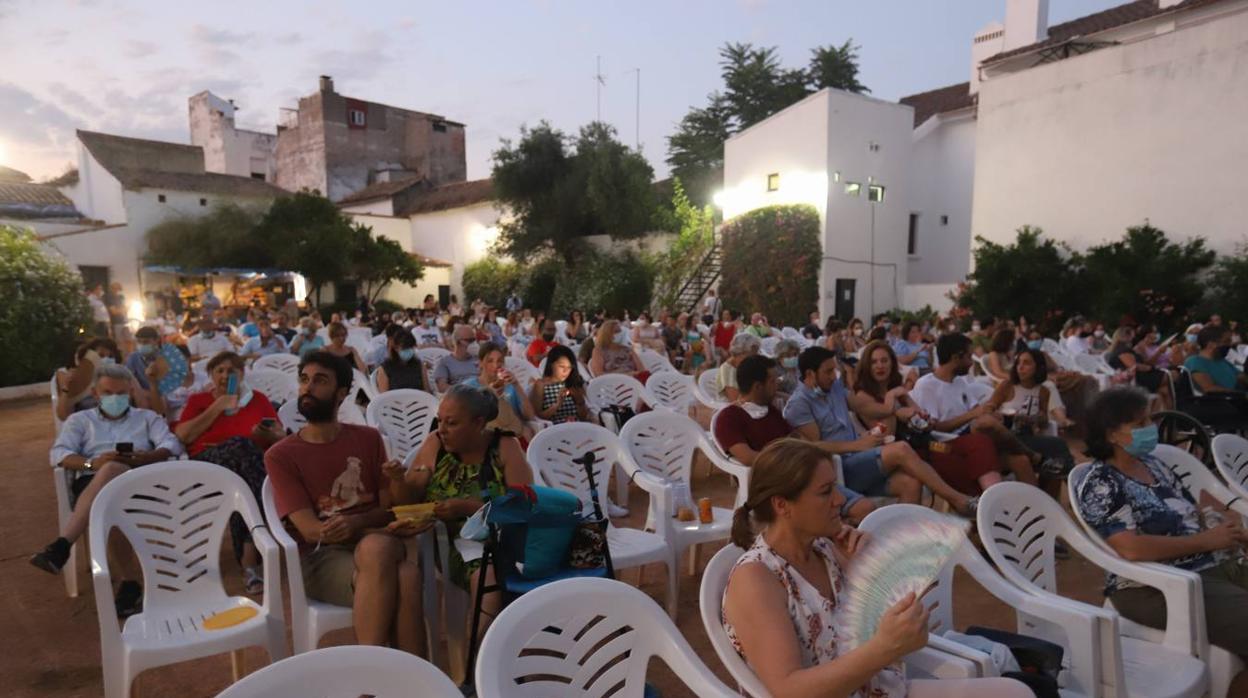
column 230, row 618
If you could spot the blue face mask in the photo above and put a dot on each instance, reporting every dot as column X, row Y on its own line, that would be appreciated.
column 1035, row 344
column 114, row 405
column 1191, row 338
column 789, row 362
column 1143, row 441
column 407, row 354
column 146, row 349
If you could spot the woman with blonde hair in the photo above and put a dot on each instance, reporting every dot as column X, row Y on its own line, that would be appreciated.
column 780, row 603
column 612, row 357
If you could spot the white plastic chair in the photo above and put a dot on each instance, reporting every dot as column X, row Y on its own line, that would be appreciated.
column 791, row 333
column 663, row 445
column 1094, row 365
column 524, row 371
column 430, row 356
column 347, row 671
column 1024, row 524
column 705, row 391
column 672, row 390
column 361, row 384
column 288, row 415
column 1051, row 347
column 550, row 455
column 288, row 363
column 928, row 662
column 768, row 345
column 57, row 422
column 585, row 637
column 1196, row 477
column 61, row 479
column 372, row 379
column 1053, row 619
column 976, row 391
column 403, row 416
column 1230, row 455
column 623, row 391
column 174, row 515
column 654, row 361
column 278, row 386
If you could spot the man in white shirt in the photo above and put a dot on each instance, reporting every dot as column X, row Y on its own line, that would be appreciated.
column 208, row 342
column 943, row 395
column 1078, row 336
column 95, row 446
column 427, row 333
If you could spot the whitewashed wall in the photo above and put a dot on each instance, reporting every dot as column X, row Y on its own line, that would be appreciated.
column 943, row 178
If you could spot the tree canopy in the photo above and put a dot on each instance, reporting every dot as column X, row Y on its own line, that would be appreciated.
column 756, row 86
column 561, row 189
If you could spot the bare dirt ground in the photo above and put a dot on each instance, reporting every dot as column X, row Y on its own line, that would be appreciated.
column 51, row 645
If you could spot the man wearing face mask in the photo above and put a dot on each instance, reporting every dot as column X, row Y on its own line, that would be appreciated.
column 208, row 342
column 427, row 333
column 746, row 426
column 95, row 446
column 541, row 346
column 1210, row 370
column 460, row 364
column 265, row 342
column 308, row 340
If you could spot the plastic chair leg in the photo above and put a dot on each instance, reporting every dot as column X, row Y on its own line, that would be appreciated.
column 621, row 487
column 70, row 572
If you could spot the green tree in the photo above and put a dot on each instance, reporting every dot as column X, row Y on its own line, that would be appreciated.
column 695, row 230
column 756, row 86
column 224, row 237
column 44, row 311
column 1052, row 289
column 771, row 261
column 377, row 262
column 491, row 280
column 1147, row 277
column 1228, row 283
column 560, row 190
column 309, row 235
column 616, row 281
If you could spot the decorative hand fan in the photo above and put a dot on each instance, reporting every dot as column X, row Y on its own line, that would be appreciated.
column 175, row 366
column 904, row 555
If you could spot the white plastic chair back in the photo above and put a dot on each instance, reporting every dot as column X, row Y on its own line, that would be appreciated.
column 403, row 417
column 372, row 379
column 278, row 386
column 711, row 604
column 673, row 390
column 359, row 342
column 561, row 327
column 706, row 392
column 1051, row 347
column 352, row 670
column 617, row 389
column 976, row 391
column 552, row 450
column 287, row 363
column 585, row 637
column 1021, row 524
column 524, row 371
column 1196, row 477
column 288, row 415
column 430, row 356
column 654, row 361
column 1093, row 365
column 361, row 384
column 768, row 346
column 1230, row 454
column 57, row 423
column 791, row 333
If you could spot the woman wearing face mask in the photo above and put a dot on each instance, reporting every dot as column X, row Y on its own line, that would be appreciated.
column 646, row 334
column 307, row 341
column 1122, row 357
column 1143, row 511
column 789, row 377
column 232, row 428
column 856, row 339
column 402, row 369
column 338, row 347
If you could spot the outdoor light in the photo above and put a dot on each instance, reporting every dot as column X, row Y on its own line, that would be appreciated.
column 720, row 198
column 136, row 311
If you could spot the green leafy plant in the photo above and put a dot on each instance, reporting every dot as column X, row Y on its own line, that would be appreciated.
column 695, row 236
column 615, row 281
column 1146, row 277
column 1228, row 285
column 43, row 312
column 771, row 261
column 491, row 280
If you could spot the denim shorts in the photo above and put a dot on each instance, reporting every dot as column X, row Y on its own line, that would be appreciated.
column 864, row 472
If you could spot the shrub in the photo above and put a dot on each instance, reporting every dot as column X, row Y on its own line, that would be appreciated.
column 616, row 281
column 771, row 260
column 537, row 287
column 1229, row 286
column 1146, row 277
column 491, row 280
column 43, row 311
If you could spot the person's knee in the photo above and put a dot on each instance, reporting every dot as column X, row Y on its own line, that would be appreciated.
column 897, row 452
column 376, row 551
column 987, row 422
column 905, row 486
column 110, row 470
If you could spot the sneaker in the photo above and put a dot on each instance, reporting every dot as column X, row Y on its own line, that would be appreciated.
column 52, row 558
column 253, row 581
column 129, row 599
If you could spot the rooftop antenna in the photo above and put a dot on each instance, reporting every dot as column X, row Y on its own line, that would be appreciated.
column 637, row 122
column 601, row 80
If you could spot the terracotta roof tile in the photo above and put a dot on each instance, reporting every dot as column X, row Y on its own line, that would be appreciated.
column 448, row 196
column 25, row 200
column 142, row 164
column 207, row 183
column 381, row 190
column 938, row 101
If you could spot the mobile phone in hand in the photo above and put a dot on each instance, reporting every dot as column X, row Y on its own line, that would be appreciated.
column 124, row 447
column 231, row 384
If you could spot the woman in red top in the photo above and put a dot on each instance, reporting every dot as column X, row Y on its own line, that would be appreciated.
column 724, row 331
column 228, row 429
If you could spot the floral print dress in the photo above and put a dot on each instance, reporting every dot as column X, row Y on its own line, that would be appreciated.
column 812, row 614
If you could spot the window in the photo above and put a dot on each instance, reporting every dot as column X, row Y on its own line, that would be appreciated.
column 912, row 239
column 258, row 175
column 944, row 220
column 357, row 118
column 836, row 176
column 439, row 126
column 160, row 198
column 853, row 188
column 875, row 193
column 203, row 202
column 773, row 181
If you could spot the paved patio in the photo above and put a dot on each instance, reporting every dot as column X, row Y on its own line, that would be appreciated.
column 51, row 646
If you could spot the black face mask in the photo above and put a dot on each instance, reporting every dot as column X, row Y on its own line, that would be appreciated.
column 1221, row 352
column 548, row 336
column 315, row 410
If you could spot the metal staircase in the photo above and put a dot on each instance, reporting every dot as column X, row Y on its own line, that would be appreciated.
column 701, row 281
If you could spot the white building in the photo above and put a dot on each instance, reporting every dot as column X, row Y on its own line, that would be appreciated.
column 228, row 149
column 1083, row 128
column 847, row 155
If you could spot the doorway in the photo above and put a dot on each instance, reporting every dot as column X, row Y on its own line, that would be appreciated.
column 845, row 289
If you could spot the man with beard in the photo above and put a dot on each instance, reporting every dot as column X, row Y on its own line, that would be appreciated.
column 943, row 395
column 333, row 488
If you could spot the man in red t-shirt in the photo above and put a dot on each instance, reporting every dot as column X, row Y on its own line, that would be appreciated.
column 541, row 346
column 743, row 428
column 333, row 486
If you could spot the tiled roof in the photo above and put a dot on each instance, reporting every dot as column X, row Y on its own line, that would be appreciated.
column 142, row 164
column 448, row 196
column 25, row 200
column 381, row 190
column 1099, row 22
column 938, row 101
column 207, row 183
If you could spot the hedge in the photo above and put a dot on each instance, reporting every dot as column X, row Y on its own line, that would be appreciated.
column 771, row 260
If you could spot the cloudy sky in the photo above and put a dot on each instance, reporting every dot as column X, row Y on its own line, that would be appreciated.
column 127, row 67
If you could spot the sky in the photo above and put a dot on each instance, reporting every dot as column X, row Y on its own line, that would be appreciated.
column 127, row 67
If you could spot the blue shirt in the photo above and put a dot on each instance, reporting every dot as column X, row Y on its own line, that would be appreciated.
column 1222, row 372
column 830, row 411
column 276, row 345
column 1112, row 502
column 311, row 344
column 89, row 433
column 250, row 330
column 138, row 362
column 903, row 348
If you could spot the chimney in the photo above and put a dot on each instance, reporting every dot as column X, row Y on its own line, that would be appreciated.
column 1026, row 22
column 327, row 83
column 987, row 43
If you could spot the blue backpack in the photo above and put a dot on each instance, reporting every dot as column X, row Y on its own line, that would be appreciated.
column 535, row 525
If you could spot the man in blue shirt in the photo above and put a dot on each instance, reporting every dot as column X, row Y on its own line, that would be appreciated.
column 819, row 411
column 1226, row 408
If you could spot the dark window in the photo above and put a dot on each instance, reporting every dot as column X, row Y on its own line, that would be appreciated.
column 203, row 202
column 160, row 198
column 875, row 192
column 944, row 220
column 439, row 126
column 913, row 238
column 258, row 175
column 357, row 118
column 773, row 181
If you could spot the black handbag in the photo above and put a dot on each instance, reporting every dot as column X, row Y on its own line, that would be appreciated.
column 1040, row 660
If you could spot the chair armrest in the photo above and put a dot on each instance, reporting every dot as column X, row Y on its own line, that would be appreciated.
column 946, row 659
column 271, row 558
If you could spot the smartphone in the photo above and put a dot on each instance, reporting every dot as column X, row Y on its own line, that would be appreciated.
column 231, row 384
column 124, row 447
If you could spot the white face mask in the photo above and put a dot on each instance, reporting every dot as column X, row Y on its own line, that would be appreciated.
column 755, row 411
